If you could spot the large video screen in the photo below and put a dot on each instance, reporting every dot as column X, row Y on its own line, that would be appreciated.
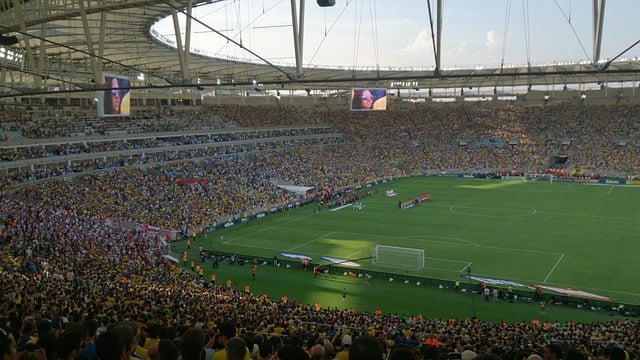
column 116, row 99
column 367, row 99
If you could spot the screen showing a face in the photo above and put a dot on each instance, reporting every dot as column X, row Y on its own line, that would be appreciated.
column 115, row 100
column 366, row 99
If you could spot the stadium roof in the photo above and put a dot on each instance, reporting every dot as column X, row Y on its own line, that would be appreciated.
column 65, row 45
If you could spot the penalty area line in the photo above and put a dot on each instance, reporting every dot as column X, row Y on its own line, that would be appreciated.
column 466, row 267
column 553, row 268
column 341, row 207
column 310, row 241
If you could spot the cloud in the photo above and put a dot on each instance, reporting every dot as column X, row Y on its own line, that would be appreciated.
column 465, row 54
column 421, row 42
column 493, row 43
column 463, row 48
column 492, row 40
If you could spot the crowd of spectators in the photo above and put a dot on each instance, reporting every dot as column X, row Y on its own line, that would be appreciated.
column 66, row 124
column 604, row 139
column 74, row 275
column 224, row 187
column 185, row 148
column 87, row 146
column 594, row 139
column 64, row 267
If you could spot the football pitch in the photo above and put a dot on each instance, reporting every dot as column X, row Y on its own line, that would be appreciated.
column 564, row 235
column 572, row 236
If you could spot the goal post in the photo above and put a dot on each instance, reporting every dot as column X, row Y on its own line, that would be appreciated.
column 539, row 177
column 397, row 257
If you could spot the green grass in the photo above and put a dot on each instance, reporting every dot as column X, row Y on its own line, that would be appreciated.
column 566, row 235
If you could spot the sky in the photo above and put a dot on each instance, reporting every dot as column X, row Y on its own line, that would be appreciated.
column 396, row 33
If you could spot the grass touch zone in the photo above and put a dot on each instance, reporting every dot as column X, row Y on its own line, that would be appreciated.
column 564, row 235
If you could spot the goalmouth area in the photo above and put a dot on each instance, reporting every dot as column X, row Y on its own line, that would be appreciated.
column 397, row 257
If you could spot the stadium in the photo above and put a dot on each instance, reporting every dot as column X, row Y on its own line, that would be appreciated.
column 165, row 203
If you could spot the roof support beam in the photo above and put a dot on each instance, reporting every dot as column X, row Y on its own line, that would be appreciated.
column 438, row 37
column 42, row 52
column 102, row 36
column 298, row 30
column 186, row 73
column 179, row 47
column 598, row 23
column 95, row 67
column 37, row 80
column 3, row 77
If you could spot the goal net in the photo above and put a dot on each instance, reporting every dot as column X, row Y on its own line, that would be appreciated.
column 397, row 257
column 539, row 177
